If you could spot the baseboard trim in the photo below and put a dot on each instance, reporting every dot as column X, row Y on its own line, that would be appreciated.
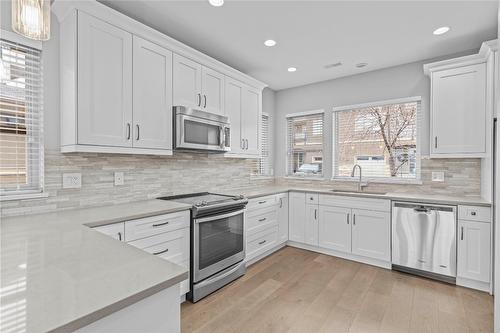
column 348, row 256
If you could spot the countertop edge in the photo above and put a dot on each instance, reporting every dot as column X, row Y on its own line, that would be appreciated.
column 119, row 305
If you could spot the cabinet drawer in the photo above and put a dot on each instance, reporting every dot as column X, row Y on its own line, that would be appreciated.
column 172, row 246
column 115, row 230
column 262, row 219
column 150, row 226
column 474, row 213
column 261, row 202
column 261, row 242
column 312, row 198
column 381, row 205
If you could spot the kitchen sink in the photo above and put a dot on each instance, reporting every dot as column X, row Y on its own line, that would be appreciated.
column 359, row 192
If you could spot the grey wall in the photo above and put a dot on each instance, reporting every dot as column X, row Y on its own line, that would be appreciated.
column 389, row 83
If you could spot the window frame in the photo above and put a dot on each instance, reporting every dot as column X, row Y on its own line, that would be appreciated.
column 20, row 194
column 288, row 154
column 387, row 180
column 270, row 173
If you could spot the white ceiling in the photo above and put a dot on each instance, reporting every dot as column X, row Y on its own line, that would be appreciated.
column 312, row 34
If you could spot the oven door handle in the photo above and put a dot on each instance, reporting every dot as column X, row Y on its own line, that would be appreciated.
column 216, row 278
column 218, row 217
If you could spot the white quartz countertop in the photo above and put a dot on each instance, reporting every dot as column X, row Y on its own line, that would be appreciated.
column 57, row 274
column 414, row 197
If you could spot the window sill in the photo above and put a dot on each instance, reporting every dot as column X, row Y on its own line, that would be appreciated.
column 305, row 178
column 380, row 181
column 24, row 196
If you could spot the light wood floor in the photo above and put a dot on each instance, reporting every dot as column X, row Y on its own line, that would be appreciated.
column 295, row 290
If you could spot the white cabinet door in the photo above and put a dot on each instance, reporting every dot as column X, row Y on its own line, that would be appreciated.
column 459, row 110
column 371, row 234
column 115, row 230
column 187, row 82
column 233, row 108
column 311, row 227
column 152, row 113
column 283, row 217
column 297, row 217
column 104, row 83
column 250, row 120
column 474, row 251
column 335, row 228
column 212, row 84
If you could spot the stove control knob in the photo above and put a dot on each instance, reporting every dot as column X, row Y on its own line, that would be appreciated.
column 204, row 203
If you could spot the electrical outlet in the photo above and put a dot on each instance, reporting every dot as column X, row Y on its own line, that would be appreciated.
column 438, row 176
column 72, row 180
column 119, row 179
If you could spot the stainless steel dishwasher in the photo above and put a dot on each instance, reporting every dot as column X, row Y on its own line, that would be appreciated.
column 424, row 240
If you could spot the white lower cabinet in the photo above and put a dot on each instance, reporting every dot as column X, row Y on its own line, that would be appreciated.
column 474, row 251
column 371, row 234
column 335, row 228
column 311, row 226
column 283, row 217
column 115, row 230
column 297, row 216
column 266, row 224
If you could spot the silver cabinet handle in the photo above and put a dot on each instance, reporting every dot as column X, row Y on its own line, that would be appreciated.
column 160, row 252
column 260, row 243
column 129, row 130
column 247, row 143
column 199, row 99
column 262, row 202
column 347, row 218
column 435, row 142
column 205, row 101
column 353, row 219
column 281, row 202
column 137, row 128
column 461, row 233
column 160, row 224
column 315, row 214
column 262, row 220
column 119, row 236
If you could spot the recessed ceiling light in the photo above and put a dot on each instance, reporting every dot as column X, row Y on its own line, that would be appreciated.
column 361, row 65
column 292, row 69
column 337, row 64
column 216, row 3
column 270, row 42
column 441, row 30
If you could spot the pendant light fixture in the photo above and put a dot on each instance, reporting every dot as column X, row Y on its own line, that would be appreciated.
column 31, row 18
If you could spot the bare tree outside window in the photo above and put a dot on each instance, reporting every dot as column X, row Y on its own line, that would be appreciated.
column 382, row 139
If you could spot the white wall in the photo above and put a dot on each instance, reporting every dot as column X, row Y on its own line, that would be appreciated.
column 389, row 83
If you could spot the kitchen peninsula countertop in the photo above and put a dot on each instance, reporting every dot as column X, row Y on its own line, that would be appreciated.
column 58, row 275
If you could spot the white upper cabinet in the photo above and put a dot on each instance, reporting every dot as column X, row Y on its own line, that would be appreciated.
column 250, row 120
column 152, row 105
column 104, row 83
column 371, row 234
column 243, row 106
column 212, row 84
column 197, row 86
column 461, row 104
column 187, row 82
column 459, row 111
column 335, row 228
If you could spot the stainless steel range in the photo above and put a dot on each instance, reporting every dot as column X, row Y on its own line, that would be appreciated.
column 217, row 240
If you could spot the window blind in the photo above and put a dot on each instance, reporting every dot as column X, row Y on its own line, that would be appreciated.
column 305, row 145
column 382, row 139
column 21, row 146
column 264, row 161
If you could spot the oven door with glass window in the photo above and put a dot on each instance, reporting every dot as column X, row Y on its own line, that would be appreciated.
column 200, row 134
column 218, row 242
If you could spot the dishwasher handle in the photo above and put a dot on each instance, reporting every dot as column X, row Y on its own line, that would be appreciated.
column 424, row 208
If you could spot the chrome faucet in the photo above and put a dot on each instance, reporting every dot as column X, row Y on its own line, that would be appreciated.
column 360, row 186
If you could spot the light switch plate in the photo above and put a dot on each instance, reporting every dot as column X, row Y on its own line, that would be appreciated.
column 72, row 180
column 438, row 176
column 119, row 179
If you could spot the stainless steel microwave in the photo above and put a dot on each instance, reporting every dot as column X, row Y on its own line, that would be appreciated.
column 201, row 130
